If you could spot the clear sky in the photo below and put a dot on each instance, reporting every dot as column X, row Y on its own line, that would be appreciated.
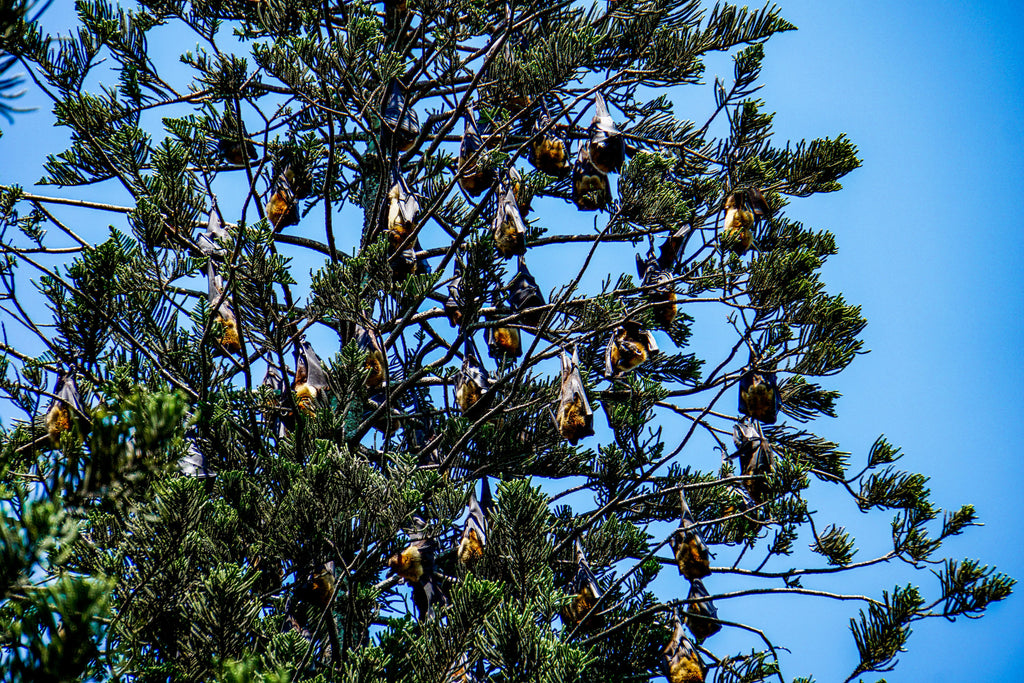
column 931, row 94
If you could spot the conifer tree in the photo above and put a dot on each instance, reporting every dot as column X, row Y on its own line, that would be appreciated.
column 342, row 372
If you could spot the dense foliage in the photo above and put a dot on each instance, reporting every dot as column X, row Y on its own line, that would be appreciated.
column 189, row 492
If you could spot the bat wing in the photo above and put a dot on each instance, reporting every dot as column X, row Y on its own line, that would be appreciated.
column 315, row 375
column 193, row 463
column 575, row 383
column 609, row 362
column 67, row 391
column 602, row 118
column 584, row 576
column 476, row 520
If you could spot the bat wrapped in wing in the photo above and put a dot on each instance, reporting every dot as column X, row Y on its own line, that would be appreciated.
column 663, row 294
column 591, row 189
column 701, row 614
column 310, row 378
column 276, row 415
column 455, row 301
column 375, row 363
column 523, row 294
column 574, row 418
column 401, row 125
column 738, row 229
column 474, row 178
column 471, row 382
column 64, row 408
column 507, row 227
column 503, row 341
column 399, row 214
column 586, row 593
column 211, row 241
column 607, row 149
column 549, row 151
column 690, row 551
column 681, row 663
column 474, row 533
column 755, row 456
column 759, row 396
column 228, row 340
column 233, row 144
column 193, row 463
column 283, row 205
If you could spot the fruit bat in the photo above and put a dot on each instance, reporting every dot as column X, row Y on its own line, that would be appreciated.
column 474, row 533
column 193, row 463
column 400, row 119
column 759, row 396
column 415, row 564
column 670, row 248
column 524, row 199
column 629, row 346
column 737, row 232
column 508, row 227
column 586, row 594
column 408, row 261
column 701, row 615
column 310, row 598
column 755, row 455
column 210, row 241
column 688, row 547
column 574, row 419
column 607, row 149
column 549, row 152
column 275, row 383
column 590, row 187
column 310, row 378
column 375, row 362
column 402, row 207
column 425, row 594
column 282, row 207
column 681, row 663
column 471, row 381
column 503, row 341
column 232, row 144
column 663, row 296
column 473, row 178
column 757, row 204
column 453, row 304
column 221, row 308
column 523, row 293
column 61, row 413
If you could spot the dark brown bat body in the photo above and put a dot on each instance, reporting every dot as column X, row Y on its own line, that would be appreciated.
column 504, row 342
column 235, row 153
column 607, row 150
column 737, row 231
column 582, row 603
column 760, row 399
column 664, row 306
column 691, row 555
column 549, row 155
column 590, row 187
column 573, row 422
column 400, row 120
column 467, row 395
column 701, row 614
column 400, row 226
column 473, row 177
column 508, row 228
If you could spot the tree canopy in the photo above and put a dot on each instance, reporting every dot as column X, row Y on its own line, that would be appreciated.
column 252, row 434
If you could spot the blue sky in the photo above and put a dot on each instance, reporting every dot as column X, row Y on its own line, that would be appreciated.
column 929, row 246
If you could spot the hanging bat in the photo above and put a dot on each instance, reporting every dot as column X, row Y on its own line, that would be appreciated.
column 755, row 456
column 670, row 248
column 233, row 145
column 607, row 150
column 503, row 341
column 737, row 232
column 524, row 199
column 628, row 347
column 690, row 551
column 590, row 187
column 471, row 381
column 402, row 208
column 508, row 227
column 523, row 293
column 549, row 152
column 220, row 307
column 681, row 663
column 310, row 378
column 759, row 396
column 400, row 119
column 210, row 241
column 60, row 415
column 574, row 419
column 408, row 261
column 454, row 303
column 425, row 594
column 193, row 463
column 586, row 594
column 473, row 178
column 474, row 533
column 415, row 561
column 757, row 204
column 310, row 599
column 701, row 615
column 663, row 296
column 282, row 207
column 375, row 364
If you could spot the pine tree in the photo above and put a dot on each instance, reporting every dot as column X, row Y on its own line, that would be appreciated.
column 255, row 435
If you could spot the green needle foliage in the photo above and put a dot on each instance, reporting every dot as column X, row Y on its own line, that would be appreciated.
column 182, row 519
